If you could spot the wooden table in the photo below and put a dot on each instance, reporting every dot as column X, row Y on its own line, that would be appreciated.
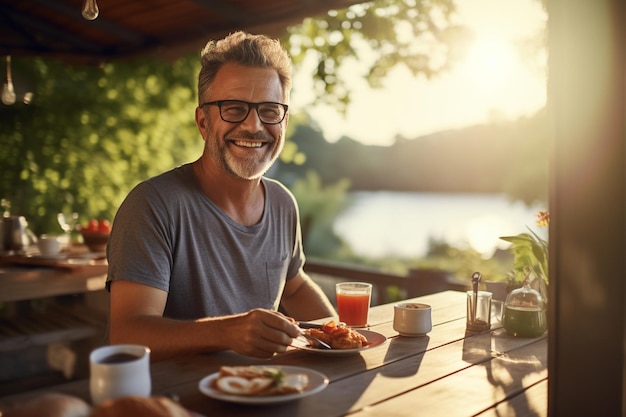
column 447, row 373
column 19, row 283
column 30, row 277
column 44, row 302
column 22, row 282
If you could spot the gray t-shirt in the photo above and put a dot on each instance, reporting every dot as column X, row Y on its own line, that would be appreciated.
column 169, row 235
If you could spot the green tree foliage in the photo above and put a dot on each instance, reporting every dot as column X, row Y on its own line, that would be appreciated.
column 380, row 35
column 90, row 134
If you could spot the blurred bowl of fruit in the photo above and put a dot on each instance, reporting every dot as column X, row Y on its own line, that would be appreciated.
column 95, row 234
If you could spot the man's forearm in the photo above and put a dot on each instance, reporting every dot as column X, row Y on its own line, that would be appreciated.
column 308, row 302
column 167, row 337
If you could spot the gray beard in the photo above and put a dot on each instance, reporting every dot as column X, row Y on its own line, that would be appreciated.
column 247, row 170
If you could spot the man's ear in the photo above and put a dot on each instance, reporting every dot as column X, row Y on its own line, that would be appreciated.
column 202, row 121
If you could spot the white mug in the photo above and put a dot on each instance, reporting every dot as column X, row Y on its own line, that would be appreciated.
column 48, row 245
column 412, row 319
column 119, row 371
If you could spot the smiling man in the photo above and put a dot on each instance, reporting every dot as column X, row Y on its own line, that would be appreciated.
column 201, row 257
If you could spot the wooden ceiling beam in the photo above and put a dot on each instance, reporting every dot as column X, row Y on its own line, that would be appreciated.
column 227, row 11
column 101, row 23
column 56, row 27
column 37, row 34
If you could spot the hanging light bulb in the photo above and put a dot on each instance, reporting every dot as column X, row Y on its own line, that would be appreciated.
column 28, row 97
column 90, row 9
column 8, row 92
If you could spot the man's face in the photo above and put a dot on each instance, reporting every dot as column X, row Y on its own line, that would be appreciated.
column 247, row 149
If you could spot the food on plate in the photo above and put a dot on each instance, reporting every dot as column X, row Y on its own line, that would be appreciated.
column 49, row 405
column 140, row 407
column 338, row 336
column 258, row 381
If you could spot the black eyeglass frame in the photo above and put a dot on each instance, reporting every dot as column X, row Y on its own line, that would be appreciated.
column 251, row 106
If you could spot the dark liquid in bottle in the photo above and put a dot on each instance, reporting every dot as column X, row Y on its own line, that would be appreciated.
column 524, row 322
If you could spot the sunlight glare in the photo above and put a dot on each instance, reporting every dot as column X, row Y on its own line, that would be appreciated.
column 483, row 233
column 490, row 61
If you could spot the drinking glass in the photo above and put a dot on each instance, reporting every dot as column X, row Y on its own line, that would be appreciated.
column 353, row 302
column 479, row 311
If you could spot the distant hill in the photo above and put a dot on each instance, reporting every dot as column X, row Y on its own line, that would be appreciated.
column 491, row 158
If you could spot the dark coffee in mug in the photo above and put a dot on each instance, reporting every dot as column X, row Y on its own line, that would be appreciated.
column 119, row 358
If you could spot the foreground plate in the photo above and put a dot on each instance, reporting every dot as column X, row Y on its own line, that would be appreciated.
column 374, row 339
column 317, row 382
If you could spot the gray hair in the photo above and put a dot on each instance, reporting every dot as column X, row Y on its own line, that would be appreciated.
column 244, row 49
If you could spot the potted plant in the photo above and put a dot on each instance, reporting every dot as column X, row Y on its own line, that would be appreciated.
column 530, row 256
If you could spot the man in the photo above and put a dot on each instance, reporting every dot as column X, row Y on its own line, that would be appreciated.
column 201, row 257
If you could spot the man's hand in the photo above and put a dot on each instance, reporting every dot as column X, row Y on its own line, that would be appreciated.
column 261, row 333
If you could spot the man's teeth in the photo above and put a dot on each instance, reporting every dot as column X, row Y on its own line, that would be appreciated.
column 249, row 144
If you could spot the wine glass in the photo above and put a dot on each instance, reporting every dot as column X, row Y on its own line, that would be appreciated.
column 68, row 224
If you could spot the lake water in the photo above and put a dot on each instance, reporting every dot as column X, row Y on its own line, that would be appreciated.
column 401, row 223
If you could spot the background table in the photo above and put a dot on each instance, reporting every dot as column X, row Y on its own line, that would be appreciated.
column 45, row 306
column 20, row 283
column 449, row 372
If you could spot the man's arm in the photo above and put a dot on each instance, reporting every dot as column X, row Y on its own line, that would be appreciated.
column 304, row 300
column 136, row 316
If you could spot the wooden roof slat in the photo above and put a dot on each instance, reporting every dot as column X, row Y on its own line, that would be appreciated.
column 226, row 11
column 131, row 28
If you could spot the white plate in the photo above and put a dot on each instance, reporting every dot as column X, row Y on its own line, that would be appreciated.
column 374, row 339
column 317, row 382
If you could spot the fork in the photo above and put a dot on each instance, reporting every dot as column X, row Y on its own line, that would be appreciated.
column 318, row 342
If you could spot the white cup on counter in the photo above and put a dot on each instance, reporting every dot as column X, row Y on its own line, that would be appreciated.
column 49, row 245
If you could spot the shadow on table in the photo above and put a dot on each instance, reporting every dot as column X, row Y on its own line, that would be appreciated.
column 398, row 348
column 507, row 363
column 477, row 347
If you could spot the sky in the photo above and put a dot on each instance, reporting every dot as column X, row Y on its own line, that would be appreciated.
column 492, row 80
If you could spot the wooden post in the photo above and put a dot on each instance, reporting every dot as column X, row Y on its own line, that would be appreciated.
column 587, row 310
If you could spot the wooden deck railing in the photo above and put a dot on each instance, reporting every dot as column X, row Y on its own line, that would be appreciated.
column 416, row 283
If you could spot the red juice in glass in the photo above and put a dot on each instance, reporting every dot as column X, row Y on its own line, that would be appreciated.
column 353, row 302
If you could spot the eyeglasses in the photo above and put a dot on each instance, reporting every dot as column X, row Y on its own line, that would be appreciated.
column 236, row 111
